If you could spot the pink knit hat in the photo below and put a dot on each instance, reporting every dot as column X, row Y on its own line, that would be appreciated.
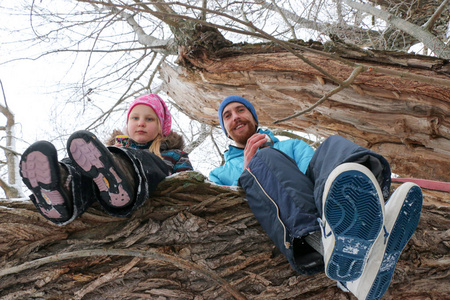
column 160, row 108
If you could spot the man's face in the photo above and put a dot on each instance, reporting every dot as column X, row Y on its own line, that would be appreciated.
column 239, row 123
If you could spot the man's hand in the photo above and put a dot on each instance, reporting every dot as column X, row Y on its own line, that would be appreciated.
column 255, row 142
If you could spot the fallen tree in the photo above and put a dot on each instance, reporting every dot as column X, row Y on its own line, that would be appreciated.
column 191, row 240
column 196, row 240
column 394, row 103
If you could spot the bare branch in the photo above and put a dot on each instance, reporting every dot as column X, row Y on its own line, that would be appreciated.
column 6, row 149
column 124, row 95
column 285, row 19
column 203, row 13
column 161, row 7
column 429, row 40
column 430, row 23
column 205, row 132
column 168, row 45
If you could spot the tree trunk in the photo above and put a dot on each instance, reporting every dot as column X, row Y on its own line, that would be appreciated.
column 399, row 107
column 192, row 240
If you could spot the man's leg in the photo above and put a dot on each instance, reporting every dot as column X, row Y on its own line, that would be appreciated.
column 401, row 219
column 351, row 221
column 337, row 150
column 347, row 179
column 402, row 211
column 281, row 198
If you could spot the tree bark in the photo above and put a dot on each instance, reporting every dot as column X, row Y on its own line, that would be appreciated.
column 191, row 240
column 398, row 107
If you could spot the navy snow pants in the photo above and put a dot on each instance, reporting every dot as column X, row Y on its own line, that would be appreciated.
column 287, row 202
column 149, row 170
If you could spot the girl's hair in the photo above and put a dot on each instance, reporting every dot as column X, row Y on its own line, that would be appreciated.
column 156, row 144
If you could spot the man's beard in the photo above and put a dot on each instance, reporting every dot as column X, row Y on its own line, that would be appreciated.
column 242, row 139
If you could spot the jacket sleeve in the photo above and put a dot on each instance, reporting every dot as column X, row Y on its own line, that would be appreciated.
column 226, row 175
column 214, row 176
column 178, row 160
column 302, row 153
column 183, row 164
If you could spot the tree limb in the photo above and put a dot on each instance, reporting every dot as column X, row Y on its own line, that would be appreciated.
column 428, row 39
column 436, row 15
column 179, row 262
column 344, row 85
column 287, row 45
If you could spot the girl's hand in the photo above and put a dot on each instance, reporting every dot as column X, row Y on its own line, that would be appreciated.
column 255, row 142
column 121, row 140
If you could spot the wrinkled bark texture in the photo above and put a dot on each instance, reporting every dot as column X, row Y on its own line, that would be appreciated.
column 405, row 120
column 191, row 240
column 196, row 240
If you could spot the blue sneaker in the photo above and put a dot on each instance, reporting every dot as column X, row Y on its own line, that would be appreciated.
column 402, row 216
column 353, row 213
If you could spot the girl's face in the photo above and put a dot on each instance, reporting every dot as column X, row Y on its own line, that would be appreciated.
column 143, row 124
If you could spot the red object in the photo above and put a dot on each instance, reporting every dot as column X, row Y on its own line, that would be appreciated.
column 427, row 184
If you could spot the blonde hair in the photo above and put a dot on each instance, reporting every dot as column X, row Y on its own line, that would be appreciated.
column 155, row 147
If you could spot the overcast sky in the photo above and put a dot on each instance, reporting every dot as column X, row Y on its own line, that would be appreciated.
column 30, row 84
column 25, row 82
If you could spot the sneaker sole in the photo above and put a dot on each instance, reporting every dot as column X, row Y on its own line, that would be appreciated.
column 39, row 169
column 402, row 218
column 85, row 151
column 353, row 208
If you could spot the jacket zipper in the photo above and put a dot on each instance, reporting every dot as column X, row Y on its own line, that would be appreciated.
column 286, row 243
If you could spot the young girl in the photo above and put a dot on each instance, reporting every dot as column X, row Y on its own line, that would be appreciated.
column 120, row 177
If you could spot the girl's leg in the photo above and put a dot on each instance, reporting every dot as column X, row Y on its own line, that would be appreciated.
column 125, row 177
column 59, row 193
column 94, row 160
column 148, row 171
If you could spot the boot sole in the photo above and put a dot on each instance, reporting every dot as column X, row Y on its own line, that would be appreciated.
column 402, row 218
column 94, row 159
column 354, row 213
column 39, row 169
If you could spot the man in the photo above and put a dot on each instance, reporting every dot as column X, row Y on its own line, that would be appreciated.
column 326, row 202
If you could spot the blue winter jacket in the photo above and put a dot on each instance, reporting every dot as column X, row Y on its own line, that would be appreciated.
column 229, row 173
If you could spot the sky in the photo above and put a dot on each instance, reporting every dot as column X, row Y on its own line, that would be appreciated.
column 25, row 82
column 25, row 91
column 29, row 87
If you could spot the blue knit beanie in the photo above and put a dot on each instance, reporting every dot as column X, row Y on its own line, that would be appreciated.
column 239, row 99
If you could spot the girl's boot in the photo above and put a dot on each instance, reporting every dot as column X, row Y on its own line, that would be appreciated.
column 60, row 192
column 125, row 177
column 148, row 170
